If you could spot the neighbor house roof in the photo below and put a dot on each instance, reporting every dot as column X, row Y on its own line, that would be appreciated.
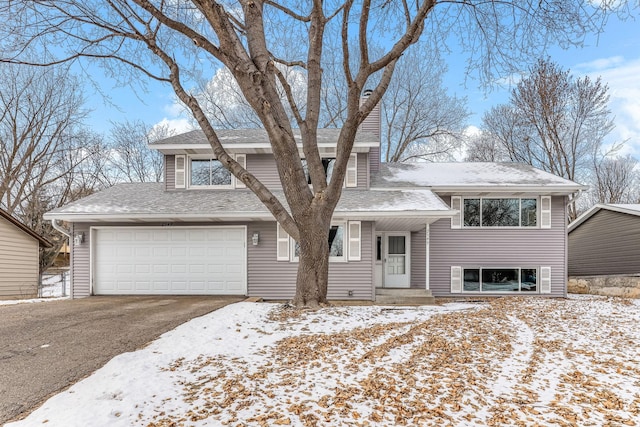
column 41, row 240
column 473, row 176
column 150, row 202
column 631, row 209
column 253, row 140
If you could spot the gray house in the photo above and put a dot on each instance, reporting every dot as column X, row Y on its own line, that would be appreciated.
column 446, row 228
column 20, row 260
column 605, row 240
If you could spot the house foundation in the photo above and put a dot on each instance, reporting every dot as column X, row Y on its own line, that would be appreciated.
column 626, row 286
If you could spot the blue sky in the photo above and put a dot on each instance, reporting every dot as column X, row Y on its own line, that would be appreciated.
column 614, row 55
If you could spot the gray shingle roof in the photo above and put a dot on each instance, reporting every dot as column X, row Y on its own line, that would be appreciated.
column 151, row 201
column 258, row 136
column 481, row 174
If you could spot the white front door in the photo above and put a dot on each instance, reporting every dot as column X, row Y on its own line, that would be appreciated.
column 397, row 260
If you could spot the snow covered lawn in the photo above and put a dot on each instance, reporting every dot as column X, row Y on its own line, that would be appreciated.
column 510, row 361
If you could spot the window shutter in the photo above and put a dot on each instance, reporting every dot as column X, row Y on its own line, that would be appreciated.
column 545, row 212
column 180, row 172
column 242, row 159
column 456, row 220
column 456, row 279
column 354, row 240
column 282, row 244
column 351, row 178
column 545, row 280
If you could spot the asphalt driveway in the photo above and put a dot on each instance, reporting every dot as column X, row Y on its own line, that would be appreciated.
column 48, row 346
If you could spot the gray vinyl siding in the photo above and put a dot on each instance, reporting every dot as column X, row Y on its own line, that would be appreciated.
column 266, row 277
column 374, row 159
column 608, row 243
column 494, row 247
column 363, row 170
column 19, row 262
column 418, row 259
column 80, row 263
column 170, row 172
column 271, row 279
column 263, row 167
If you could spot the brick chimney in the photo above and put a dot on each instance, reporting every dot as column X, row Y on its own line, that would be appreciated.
column 372, row 125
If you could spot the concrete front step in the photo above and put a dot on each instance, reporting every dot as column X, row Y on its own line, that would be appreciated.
column 404, row 296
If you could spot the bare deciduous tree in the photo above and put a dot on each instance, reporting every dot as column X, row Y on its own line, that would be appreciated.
column 167, row 41
column 420, row 119
column 553, row 121
column 41, row 145
column 484, row 147
column 131, row 158
column 616, row 180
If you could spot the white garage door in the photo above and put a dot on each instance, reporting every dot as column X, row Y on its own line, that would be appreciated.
column 169, row 261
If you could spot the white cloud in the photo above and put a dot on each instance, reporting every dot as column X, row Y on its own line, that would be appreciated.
column 624, row 89
column 600, row 64
column 471, row 131
column 178, row 125
column 174, row 109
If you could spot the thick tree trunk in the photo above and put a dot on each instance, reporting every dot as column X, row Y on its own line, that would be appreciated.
column 313, row 266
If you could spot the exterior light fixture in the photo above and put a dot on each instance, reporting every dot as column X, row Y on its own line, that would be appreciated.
column 255, row 238
column 78, row 239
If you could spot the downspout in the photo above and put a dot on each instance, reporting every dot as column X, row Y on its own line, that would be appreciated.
column 61, row 229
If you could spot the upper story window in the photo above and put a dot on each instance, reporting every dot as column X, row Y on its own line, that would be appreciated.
column 327, row 164
column 351, row 177
column 208, row 172
column 205, row 172
column 500, row 212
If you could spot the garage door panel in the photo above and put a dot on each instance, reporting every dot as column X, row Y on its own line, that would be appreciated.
column 178, row 251
column 143, row 268
column 124, row 236
column 161, row 268
column 143, row 286
column 197, row 286
column 234, row 235
column 216, row 235
column 178, row 235
column 142, row 236
column 178, row 268
column 160, row 236
column 160, row 252
column 197, row 268
column 170, row 261
column 197, row 236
